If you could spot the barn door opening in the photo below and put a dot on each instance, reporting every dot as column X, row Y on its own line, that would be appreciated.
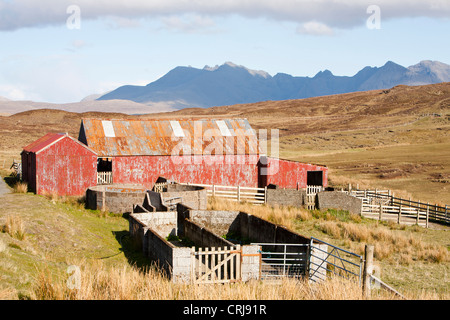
column 104, row 171
column 314, row 178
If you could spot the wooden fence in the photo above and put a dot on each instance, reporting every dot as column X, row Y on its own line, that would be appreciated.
column 383, row 205
column 252, row 195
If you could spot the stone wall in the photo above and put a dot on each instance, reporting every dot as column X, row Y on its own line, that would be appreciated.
column 286, row 197
column 338, row 200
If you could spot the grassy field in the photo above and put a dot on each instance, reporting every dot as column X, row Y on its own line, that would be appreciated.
column 412, row 160
column 58, row 233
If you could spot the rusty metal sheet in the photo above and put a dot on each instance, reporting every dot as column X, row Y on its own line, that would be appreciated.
column 291, row 174
column 43, row 142
column 169, row 137
column 230, row 170
column 57, row 163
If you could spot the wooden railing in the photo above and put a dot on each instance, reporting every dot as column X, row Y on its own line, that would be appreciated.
column 383, row 205
column 252, row 195
column 104, row 177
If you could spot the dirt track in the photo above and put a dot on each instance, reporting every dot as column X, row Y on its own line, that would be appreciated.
column 3, row 188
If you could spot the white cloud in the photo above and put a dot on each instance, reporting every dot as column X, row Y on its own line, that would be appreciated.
column 191, row 23
column 16, row 14
column 315, row 28
column 12, row 93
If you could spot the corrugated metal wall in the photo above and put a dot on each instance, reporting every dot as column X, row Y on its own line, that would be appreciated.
column 292, row 174
column 66, row 168
column 219, row 170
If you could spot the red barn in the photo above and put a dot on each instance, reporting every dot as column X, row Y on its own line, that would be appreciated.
column 220, row 152
column 58, row 163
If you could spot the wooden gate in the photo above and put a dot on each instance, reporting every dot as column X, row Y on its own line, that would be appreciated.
column 216, row 265
column 311, row 192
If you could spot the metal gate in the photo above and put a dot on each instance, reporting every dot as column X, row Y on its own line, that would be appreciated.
column 216, row 265
column 280, row 260
column 327, row 259
column 317, row 260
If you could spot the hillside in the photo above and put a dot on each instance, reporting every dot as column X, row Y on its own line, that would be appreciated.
column 8, row 107
column 397, row 138
column 350, row 133
column 230, row 84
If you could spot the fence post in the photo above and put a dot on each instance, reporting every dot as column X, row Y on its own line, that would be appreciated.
column 213, row 190
column 381, row 211
column 265, row 194
column 368, row 268
column 418, row 213
column 238, row 194
column 428, row 212
column 399, row 214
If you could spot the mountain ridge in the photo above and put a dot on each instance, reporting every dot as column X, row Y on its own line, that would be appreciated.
column 230, row 84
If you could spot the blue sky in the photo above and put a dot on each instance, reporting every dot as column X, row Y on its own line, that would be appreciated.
column 44, row 58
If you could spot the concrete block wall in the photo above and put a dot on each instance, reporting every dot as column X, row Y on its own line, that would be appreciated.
column 181, row 265
column 116, row 199
column 251, row 262
column 175, row 261
column 202, row 237
column 205, row 229
column 192, row 196
column 165, row 223
column 338, row 200
column 318, row 264
column 219, row 222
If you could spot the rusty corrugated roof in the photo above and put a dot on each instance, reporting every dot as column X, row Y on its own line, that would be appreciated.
column 43, row 142
column 47, row 140
column 119, row 137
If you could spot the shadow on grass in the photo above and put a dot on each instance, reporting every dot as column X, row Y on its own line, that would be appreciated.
column 11, row 180
column 132, row 251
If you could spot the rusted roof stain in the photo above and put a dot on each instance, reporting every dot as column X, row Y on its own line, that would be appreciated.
column 119, row 137
column 43, row 142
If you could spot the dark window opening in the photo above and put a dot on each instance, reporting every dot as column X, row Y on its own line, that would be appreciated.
column 314, row 178
column 104, row 165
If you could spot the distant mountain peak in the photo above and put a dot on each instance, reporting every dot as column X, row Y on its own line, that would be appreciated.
column 324, row 73
column 230, row 64
column 230, row 84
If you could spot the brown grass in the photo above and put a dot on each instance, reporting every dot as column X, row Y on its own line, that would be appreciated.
column 387, row 242
column 14, row 227
column 98, row 282
column 281, row 215
column 20, row 187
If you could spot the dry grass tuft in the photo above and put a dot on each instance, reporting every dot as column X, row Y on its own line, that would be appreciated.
column 20, row 187
column 14, row 227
